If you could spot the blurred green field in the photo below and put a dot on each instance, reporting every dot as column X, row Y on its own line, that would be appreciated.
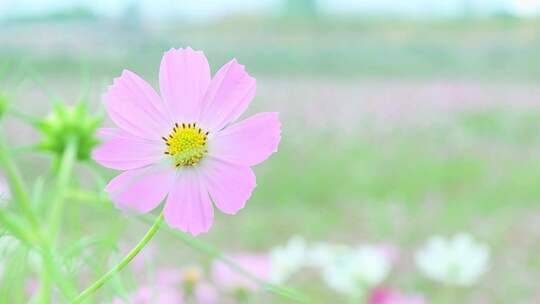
column 392, row 130
column 500, row 48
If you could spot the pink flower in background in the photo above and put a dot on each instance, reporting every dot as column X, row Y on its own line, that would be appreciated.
column 31, row 287
column 184, row 146
column 230, row 280
column 174, row 285
column 390, row 251
column 152, row 295
column 390, row 296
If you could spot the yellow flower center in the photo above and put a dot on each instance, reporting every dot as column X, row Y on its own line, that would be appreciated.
column 186, row 144
column 192, row 276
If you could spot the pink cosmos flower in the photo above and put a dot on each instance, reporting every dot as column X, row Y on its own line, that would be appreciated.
column 230, row 280
column 390, row 296
column 184, row 146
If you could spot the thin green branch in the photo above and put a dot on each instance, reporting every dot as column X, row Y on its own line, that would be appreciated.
column 62, row 182
column 196, row 244
column 17, row 185
column 22, row 198
column 125, row 261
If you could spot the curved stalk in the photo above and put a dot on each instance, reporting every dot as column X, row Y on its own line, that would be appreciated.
column 125, row 261
column 198, row 245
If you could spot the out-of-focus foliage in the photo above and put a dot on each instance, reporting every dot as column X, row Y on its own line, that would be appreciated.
column 66, row 123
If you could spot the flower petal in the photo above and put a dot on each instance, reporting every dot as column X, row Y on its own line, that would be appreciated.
column 248, row 142
column 228, row 96
column 141, row 190
column 184, row 76
column 188, row 206
column 123, row 151
column 230, row 185
column 136, row 108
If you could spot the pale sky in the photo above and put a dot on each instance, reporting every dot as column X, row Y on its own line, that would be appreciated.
column 209, row 8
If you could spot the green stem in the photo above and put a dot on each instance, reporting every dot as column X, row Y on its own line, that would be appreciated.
column 17, row 227
column 125, row 261
column 17, row 185
column 207, row 249
column 21, row 196
column 52, row 267
column 62, row 182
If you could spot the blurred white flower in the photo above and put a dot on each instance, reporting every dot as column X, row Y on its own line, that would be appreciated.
column 8, row 244
column 356, row 271
column 5, row 195
column 323, row 254
column 457, row 261
column 288, row 259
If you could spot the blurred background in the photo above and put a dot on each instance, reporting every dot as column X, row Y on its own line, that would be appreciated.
column 401, row 119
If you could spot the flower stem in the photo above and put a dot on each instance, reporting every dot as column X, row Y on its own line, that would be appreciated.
column 16, row 183
column 125, row 261
column 25, row 204
column 67, row 162
column 198, row 245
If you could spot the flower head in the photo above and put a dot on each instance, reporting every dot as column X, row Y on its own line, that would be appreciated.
column 288, row 259
column 390, row 296
column 184, row 146
column 459, row 260
column 69, row 123
column 356, row 271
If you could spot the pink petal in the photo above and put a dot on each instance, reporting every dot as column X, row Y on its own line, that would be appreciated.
column 230, row 185
column 248, row 142
column 141, row 190
column 188, row 206
column 228, row 96
column 184, row 76
column 136, row 108
column 227, row 278
column 123, row 151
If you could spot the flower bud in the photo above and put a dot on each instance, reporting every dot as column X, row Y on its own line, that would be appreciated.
column 67, row 123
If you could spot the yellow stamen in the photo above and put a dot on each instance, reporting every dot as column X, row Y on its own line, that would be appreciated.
column 186, row 144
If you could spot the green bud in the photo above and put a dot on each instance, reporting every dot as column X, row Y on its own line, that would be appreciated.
column 69, row 123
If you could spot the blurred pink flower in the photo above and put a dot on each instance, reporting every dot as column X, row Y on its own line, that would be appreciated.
column 230, row 280
column 390, row 296
column 31, row 287
column 390, row 251
column 152, row 295
column 168, row 285
column 184, row 144
column 206, row 294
